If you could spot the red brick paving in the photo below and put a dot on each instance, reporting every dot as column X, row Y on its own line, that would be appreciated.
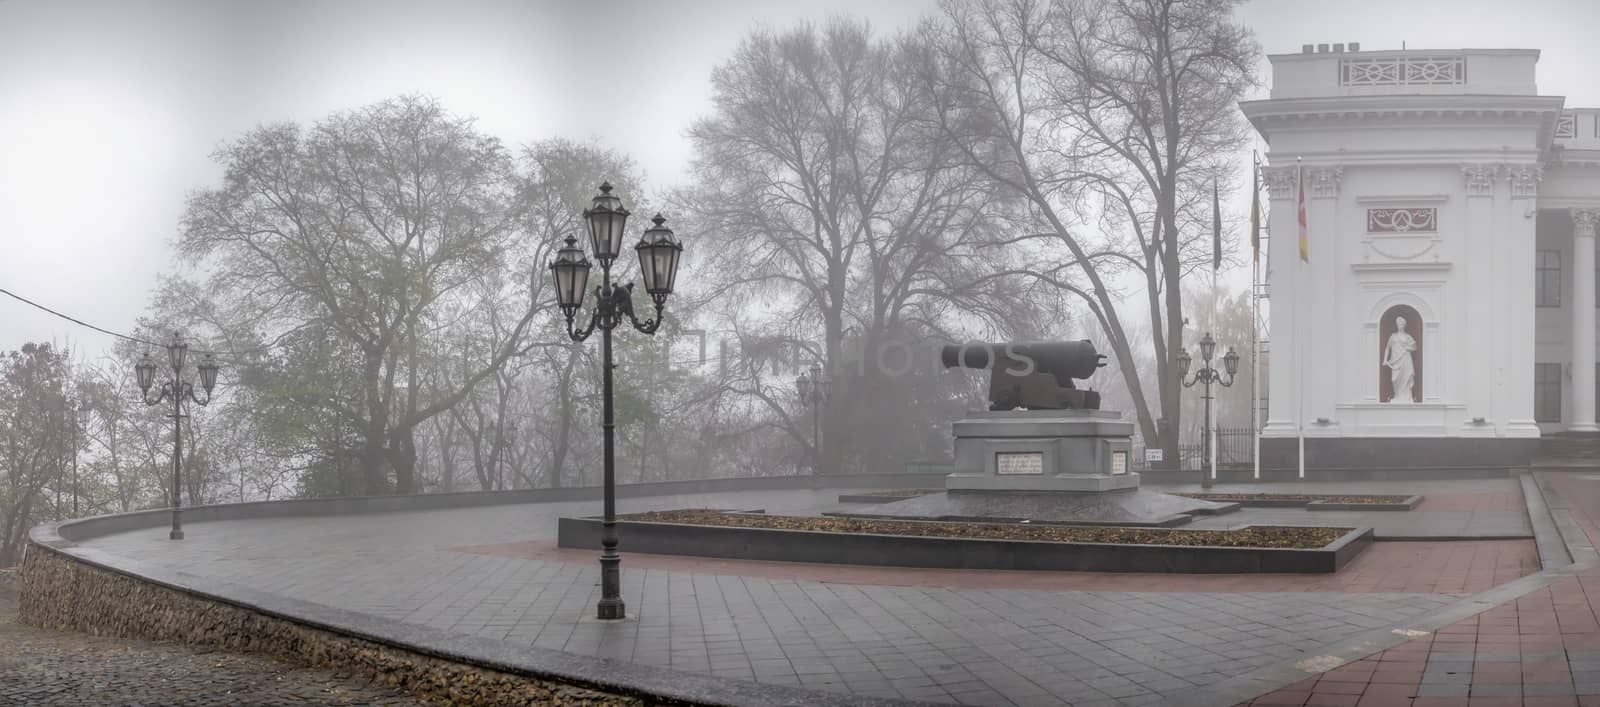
column 1463, row 566
column 1510, row 500
column 1545, row 642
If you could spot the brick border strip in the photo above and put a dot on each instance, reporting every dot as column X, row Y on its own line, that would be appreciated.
column 66, row 587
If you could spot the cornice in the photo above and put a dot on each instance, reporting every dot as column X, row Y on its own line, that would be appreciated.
column 1397, row 53
column 1404, row 104
column 1271, row 114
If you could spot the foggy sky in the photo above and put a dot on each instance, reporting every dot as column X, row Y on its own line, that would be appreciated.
column 109, row 110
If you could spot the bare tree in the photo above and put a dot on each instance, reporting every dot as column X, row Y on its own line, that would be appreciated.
column 821, row 195
column 1114, row 115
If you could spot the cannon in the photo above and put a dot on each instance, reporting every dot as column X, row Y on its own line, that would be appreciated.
column 1033, row 375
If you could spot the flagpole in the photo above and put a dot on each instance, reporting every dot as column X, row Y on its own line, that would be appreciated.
column 1217, row 420
column 1255, row 313
column 1299, row 362
column 1216, row 262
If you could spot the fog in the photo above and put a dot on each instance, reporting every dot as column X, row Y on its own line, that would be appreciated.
column 120, row 121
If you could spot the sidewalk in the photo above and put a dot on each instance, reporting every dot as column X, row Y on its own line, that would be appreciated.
column 1541, row 649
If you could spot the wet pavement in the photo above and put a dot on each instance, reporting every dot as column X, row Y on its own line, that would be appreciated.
column 892, row 634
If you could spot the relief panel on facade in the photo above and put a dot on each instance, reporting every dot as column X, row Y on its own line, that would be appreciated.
column 1401, row 235
column 1403, row 220
column 1400, row 355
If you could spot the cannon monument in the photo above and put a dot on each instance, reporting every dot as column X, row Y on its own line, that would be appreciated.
column 1060, row 439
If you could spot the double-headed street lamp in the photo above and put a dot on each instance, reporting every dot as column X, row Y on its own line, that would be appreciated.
column 658, row 266
column 1207, row 375
column 813, row 391
column 177, row 390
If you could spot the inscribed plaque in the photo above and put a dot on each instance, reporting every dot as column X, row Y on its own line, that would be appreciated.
column 1019, row 462
column 1119, row 462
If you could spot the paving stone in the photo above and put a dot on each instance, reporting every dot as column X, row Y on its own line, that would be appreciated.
column 1165, row 642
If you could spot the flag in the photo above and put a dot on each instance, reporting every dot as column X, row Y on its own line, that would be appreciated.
column 1255, row 210
column 1300, row 206
column 1216, row 228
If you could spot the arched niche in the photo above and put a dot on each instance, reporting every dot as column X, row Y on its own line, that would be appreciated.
column 1387, row 325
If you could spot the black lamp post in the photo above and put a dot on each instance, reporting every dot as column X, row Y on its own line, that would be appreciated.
column 505, row 436
column 1207, row 375
column 176, row 390
column 813, row 391
column 658, row 266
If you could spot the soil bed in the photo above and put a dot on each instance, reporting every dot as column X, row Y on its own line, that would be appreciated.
column 1296, row 497
column 1255, row 536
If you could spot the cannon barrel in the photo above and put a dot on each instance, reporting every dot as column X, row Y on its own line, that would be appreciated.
column 1062, row 359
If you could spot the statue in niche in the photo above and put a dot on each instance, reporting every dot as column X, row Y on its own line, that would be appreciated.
column 1397, row 358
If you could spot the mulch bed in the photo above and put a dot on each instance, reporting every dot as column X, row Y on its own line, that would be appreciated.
column 1306, row 497
column 1256, row 536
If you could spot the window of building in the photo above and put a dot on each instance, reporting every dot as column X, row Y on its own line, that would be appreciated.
column 1547, row 279
column 1547, row 392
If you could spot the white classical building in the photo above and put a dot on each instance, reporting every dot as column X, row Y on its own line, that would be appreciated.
column 1442, row 190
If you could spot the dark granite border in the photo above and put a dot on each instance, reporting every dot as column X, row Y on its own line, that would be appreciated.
column 866, row 498
column 1409, row 503
column 406, row 643
column 1275, row 474
column 1406, row 505
column 958, row 553
column 1168, row 521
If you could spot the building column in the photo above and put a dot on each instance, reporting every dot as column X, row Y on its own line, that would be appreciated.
column 1583, row 321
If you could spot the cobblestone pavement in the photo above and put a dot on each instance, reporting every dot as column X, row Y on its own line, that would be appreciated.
column 40, row 668
column 1541, row 649
column 988, row 646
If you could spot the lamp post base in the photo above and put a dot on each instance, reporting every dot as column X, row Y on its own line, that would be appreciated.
column 175, row 535
column 612, row 610
column 611, row 606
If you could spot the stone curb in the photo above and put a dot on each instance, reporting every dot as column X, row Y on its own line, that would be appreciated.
column 1550, row 532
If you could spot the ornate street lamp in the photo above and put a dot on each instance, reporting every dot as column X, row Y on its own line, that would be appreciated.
column 1207, row 375
column 814, row 389
column 658, row 252
column 177, row 390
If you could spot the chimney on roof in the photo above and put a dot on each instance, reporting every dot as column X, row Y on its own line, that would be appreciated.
column 1306, row 48
column 1322, row 48
column 1355, row 46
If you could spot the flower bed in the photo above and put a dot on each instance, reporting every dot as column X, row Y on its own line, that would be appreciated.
column 973, row 545
column 1254, row 536
column 884, row 495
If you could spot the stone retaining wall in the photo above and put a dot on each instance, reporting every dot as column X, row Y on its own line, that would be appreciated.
column 64, row 593
column 346, row 505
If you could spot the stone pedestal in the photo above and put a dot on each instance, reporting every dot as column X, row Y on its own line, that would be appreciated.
column 1043, row 450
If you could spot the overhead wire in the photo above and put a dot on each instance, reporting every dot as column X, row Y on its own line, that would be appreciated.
column 119, row 335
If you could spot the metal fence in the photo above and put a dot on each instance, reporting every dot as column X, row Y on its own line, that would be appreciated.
column 1235, row 448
